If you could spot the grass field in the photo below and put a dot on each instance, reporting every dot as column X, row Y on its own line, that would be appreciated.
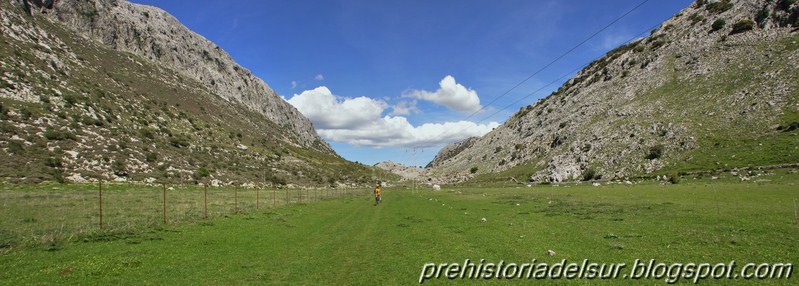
column 347, row 240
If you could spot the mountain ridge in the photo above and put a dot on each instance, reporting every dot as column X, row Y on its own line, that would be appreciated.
column 664, row 103
column 72, row 109
column 157, row 35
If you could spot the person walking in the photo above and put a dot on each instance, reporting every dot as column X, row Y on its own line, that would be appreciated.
column 377, row 195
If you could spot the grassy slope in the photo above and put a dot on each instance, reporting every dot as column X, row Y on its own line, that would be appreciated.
column 349, row 241
column 725, row 143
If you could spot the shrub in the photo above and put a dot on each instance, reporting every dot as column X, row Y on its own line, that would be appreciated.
column 655, row 152
column 718, row 24
column 589, row 174
column 25, row 113
column 674, row 178
column 4, row 84
column 695, row 17
column 785, row 5
column 719, row 7
column 70, row 100
column 54, row 162
column 147, row 133
column 14, row 147
column 498, row 149
column 657, row 44
column 761, row 16
column 742, row 26
column 473, row 170
column 119, row 167
column 52, row 134
column 3, row 111
column 58, row 176
column 151, row 157
column 179, row 141
column 201, row 172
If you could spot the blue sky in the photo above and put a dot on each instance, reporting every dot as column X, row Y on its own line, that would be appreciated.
column 382, row 78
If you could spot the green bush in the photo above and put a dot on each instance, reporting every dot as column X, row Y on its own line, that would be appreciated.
column 54, row 162
column 179, row 141
column 762, row 15
column 147, row 133
column 657, row 44
column 150, row 157
column 695, row 17
column 674, row 178
column 3, row 111
column 119, row 167
column 52, row 134
column 589, row 174
column 718, row 24
column 719, row 7
column 655, row 152
column 742, row 26
column 473, row 170
column 4, row 84
column 15, row 148
column 202, row 172
column 785, row 5
column 70, row 100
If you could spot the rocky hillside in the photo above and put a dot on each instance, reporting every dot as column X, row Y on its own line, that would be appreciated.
column 404, row 172
column 451, row 150
column 156, row 35
column 117, row 91
column 713, row 88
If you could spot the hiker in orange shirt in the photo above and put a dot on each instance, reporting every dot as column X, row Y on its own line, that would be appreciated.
column 377, row 195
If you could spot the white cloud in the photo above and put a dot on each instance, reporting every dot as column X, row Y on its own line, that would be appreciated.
column 359, row 121
column 294, row 84
column 405, row 107
column 397, row 131
column 326, row 111
column 319, row 77
column 450, row 94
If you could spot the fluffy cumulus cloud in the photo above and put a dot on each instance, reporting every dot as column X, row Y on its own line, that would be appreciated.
column 327, row 111
column 450, row 94
column 359, row 121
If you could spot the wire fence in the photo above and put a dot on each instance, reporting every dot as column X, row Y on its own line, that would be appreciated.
column 48, row 215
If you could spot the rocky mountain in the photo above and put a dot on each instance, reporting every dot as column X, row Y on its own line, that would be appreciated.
column 404, row 172
column 713, row 88
column 156, row 35
column 111, row 90
column 451, row 150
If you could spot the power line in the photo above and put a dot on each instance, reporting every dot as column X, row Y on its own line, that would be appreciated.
column 558, row 58
column 547, row 66
column 561, row 77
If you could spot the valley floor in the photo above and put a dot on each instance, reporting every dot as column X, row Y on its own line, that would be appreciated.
column 347, row 240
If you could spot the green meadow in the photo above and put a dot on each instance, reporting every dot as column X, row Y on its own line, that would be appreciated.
column 338, row 237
